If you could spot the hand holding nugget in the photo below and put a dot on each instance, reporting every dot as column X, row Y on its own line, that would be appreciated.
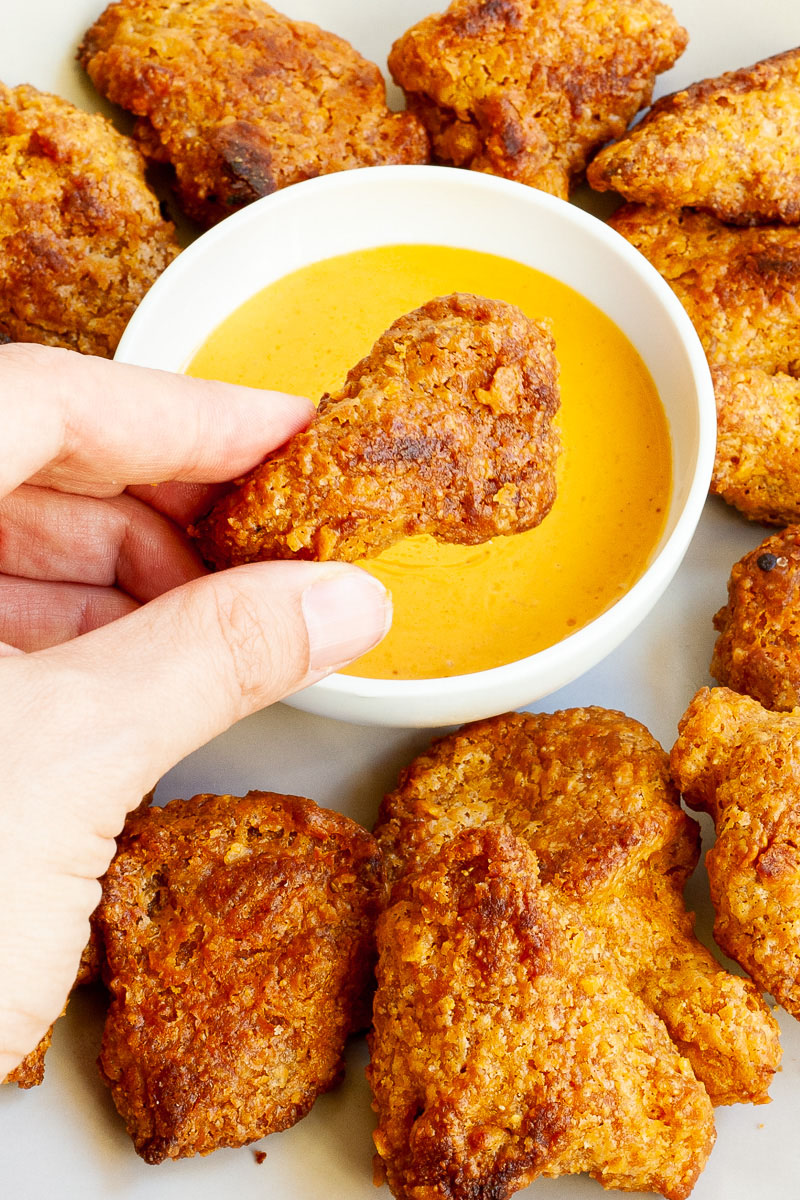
column 120, row 627
column 444, row 428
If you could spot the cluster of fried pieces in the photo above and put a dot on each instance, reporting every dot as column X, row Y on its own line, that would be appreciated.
column 235, row 100
column 513, row 931
column 540, row 1004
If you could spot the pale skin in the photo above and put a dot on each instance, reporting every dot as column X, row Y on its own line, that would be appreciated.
column 119, row 653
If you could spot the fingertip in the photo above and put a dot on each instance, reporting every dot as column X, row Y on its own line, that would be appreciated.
column 346, row 614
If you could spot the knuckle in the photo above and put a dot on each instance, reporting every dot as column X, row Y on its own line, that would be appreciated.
column 256, row 646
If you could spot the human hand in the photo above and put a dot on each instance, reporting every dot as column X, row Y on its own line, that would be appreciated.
column 119, row 653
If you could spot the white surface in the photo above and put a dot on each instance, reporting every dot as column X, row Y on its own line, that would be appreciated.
column 354, row 210
column 63, row 1140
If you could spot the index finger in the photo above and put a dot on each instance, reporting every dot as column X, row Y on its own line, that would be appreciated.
column 82, row 424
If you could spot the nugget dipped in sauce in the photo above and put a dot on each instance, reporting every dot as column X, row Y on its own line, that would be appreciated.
column 529, row 89
column 741, row 289
column 589, row 790
column 729, row 145
column 241, row 100
column 444, row 428
column 238, row 949
column 740, row 763
column 81, row 234
column 507, row 1045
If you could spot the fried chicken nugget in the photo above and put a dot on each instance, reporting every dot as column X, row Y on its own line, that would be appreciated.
column 589, row 790
column 506, row 1045
column 729, row 145
column 758, row 648
column 741, row 289
column 81, row 234
column 444, row 428
column 238, row 939
column 741, row 763
column 529, row 88
column 241, row 100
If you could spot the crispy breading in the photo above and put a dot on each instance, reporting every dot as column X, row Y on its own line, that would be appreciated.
column 444, row 428
column 757, row 461
column 729, row 145
column 741, row 289
column 758, row 648
column 529, row 88
column 241, row 100
column 30, row 1072
column 741, row 763
column 589, row 790
column 238, row 938
column 506, row 1045
column 81, row 234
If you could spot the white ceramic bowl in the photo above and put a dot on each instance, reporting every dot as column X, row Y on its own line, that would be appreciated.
column 437, row 205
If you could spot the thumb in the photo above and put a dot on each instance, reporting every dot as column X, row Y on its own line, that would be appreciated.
column 88, row 726
column 158, row 683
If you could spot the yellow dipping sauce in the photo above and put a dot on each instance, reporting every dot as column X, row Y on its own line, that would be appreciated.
column 465, row 608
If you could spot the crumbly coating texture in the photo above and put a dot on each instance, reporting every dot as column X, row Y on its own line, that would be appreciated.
column 444, row 428
column 740, row 763
column 729, row 145
column 529, row 88
column 506, row 1045
column 758, row 648
column 238, row 939
column 741, row 289
column 757, row 462
column 241, row 100
column 81, row 235
column 589, row 790
column 30, row 1072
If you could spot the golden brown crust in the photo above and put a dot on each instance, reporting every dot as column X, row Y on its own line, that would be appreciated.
column 589, row 790
column 81, row 235
column 444, row 428
column 30, row 1072
column 757, row 463
column 729, row 145
column 741, row 289
column 528, row 90
column 242, row 100
column 506, row 1045
column 741, row 764
column 238, row 937
column 758, row 648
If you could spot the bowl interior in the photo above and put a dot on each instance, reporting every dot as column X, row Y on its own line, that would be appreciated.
column 435, row 205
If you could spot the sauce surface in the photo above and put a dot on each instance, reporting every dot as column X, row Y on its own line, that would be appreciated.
column 465, row 608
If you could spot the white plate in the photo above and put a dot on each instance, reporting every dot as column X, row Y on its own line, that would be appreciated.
column 64, row 1140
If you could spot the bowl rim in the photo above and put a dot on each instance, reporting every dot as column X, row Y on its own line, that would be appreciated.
column 617, row 621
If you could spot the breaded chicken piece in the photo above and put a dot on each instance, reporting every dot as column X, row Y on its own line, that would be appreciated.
column 729, row 145
column 758, row 648
column 444, row 428
column 238, row 938
column 589, row 790
column 81, row 234
column 741, row 763
column 241, row 100
column 506, row 1045
column 741, row 289
column 529, row 89
column 757, row 462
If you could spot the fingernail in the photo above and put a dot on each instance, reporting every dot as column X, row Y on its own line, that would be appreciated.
column 346, row 614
